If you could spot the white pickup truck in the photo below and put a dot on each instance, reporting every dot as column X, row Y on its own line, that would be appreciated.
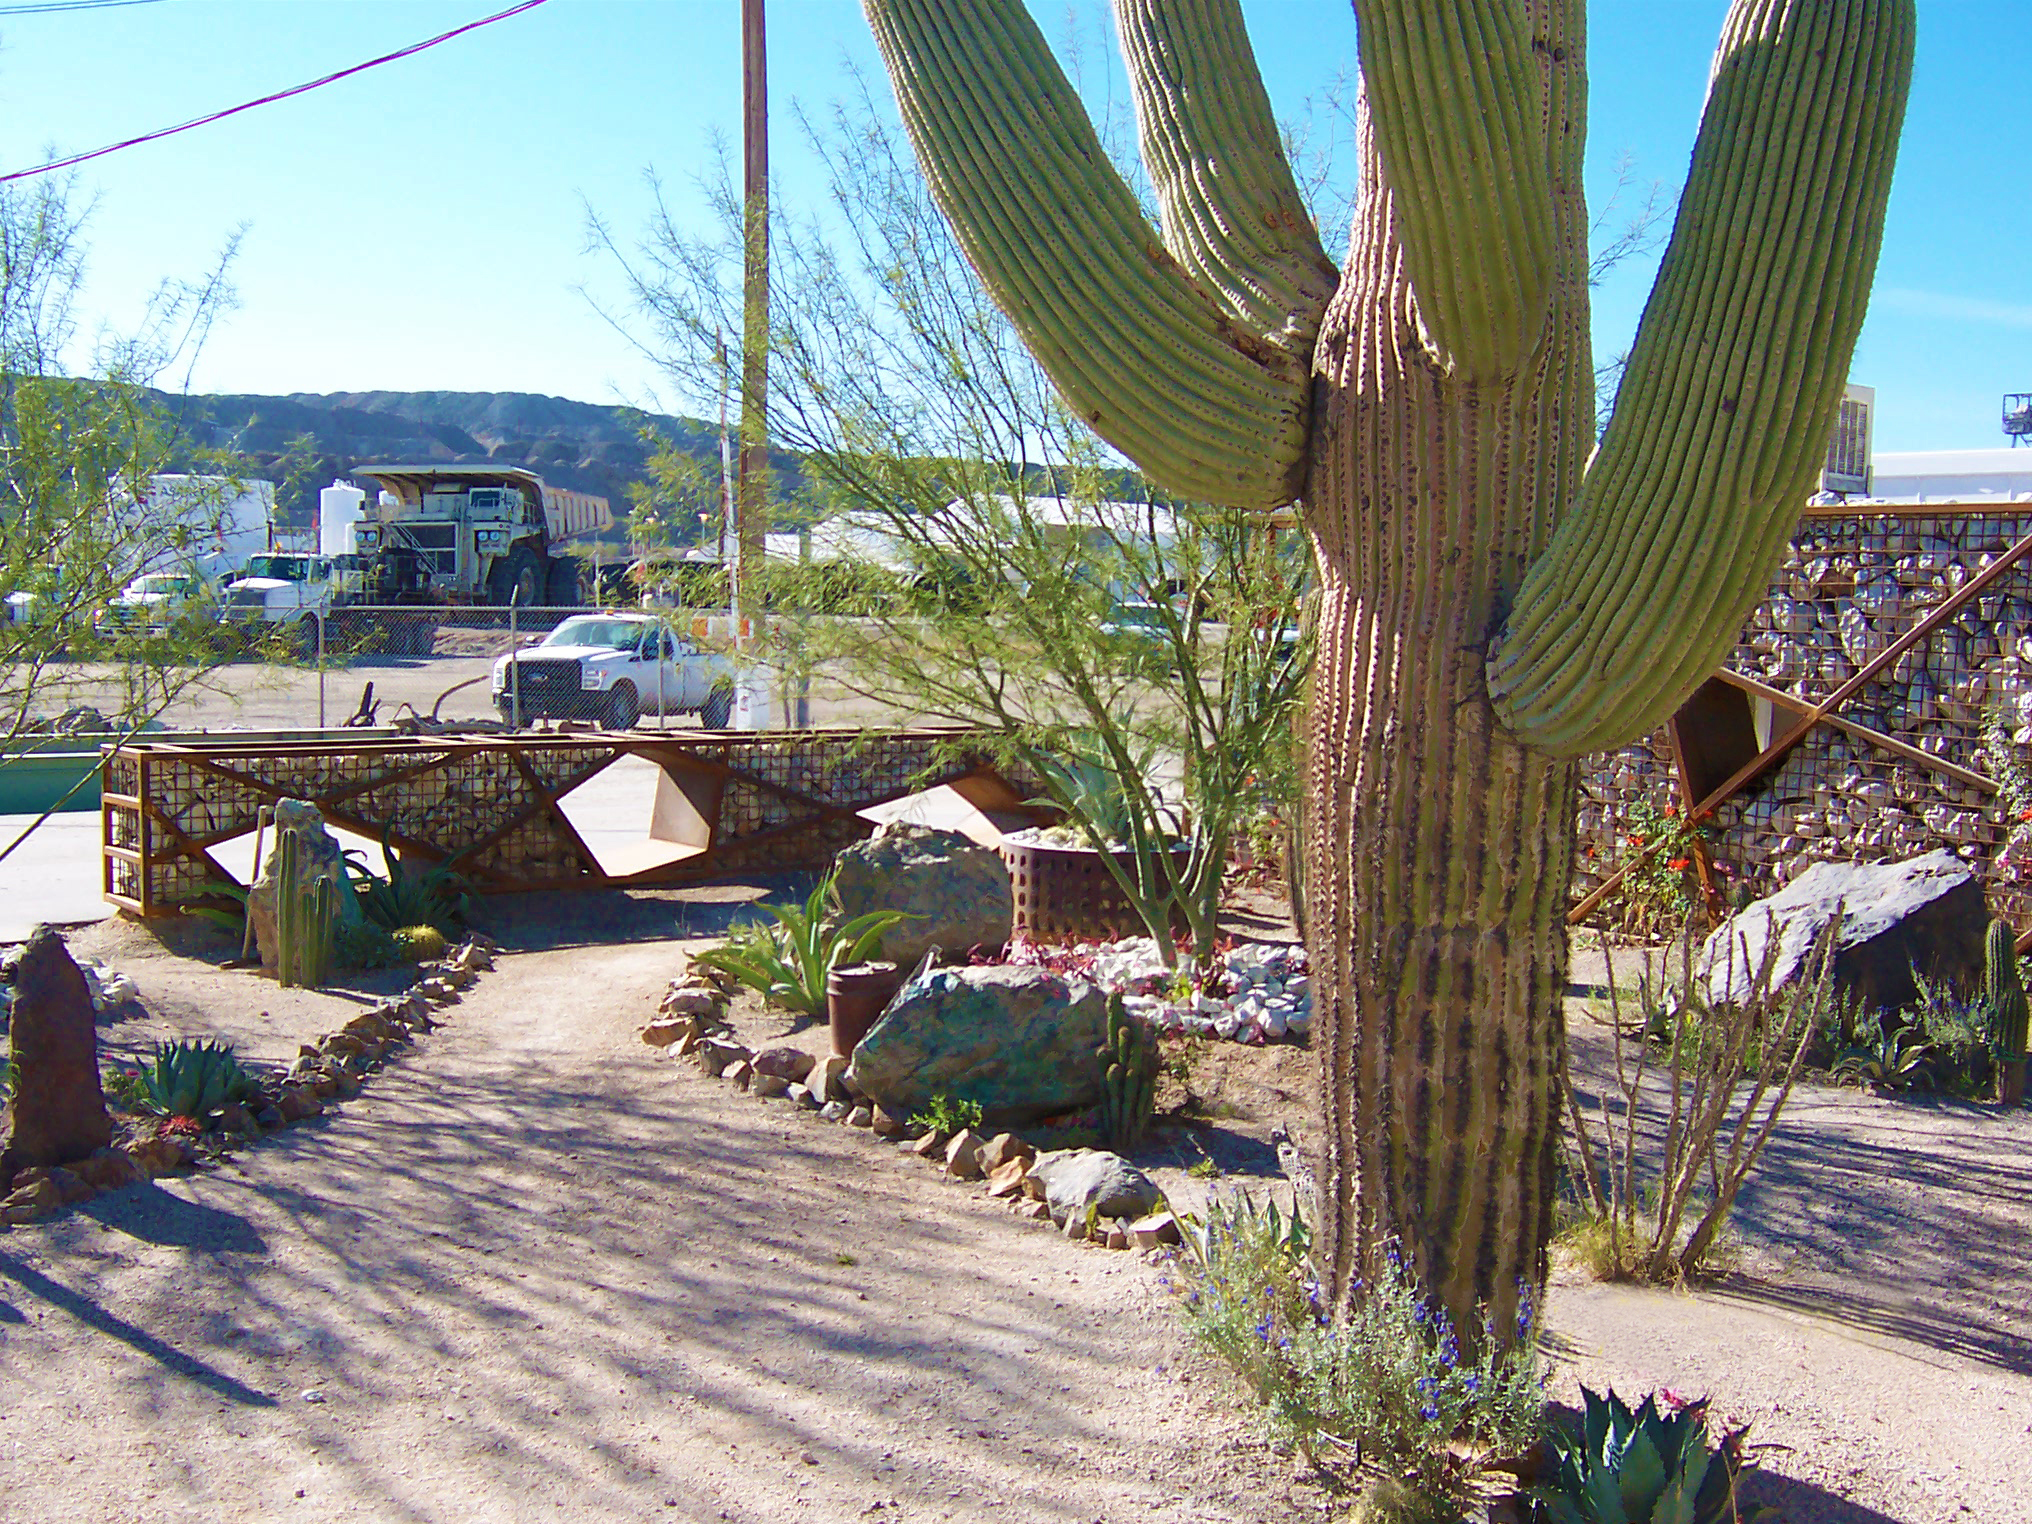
column 609, row 668
column 292, row 591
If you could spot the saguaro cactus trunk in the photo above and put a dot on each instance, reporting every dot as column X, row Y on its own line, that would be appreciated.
column 1492, row 607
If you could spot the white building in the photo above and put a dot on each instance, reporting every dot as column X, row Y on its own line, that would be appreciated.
column 1952, row 476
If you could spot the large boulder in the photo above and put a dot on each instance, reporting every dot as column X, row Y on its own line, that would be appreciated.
column 1926, row 913
column 1021, row 1042
column 58, row 1113
column 1079, row 1182
column 957, row 891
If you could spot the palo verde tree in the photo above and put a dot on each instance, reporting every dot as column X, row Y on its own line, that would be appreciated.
column 83, row 429
column 984, row 565
column 1492, row 605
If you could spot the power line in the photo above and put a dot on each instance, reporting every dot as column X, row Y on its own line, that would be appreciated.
column 52, row 6
column 266, row 100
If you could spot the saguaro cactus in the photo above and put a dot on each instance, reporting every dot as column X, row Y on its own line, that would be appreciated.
column 1491, row 605
column 1128, row 1078
column 2010, row 1013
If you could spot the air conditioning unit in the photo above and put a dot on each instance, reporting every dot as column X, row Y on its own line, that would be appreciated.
column 1848, row 453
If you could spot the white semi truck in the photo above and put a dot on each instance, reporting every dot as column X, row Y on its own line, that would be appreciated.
column 472, row 534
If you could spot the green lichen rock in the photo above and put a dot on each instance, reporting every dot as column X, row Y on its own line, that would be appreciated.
column 1019, row 1042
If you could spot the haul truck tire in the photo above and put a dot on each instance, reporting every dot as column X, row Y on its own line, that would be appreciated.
column 562, row 591
column 518, row 572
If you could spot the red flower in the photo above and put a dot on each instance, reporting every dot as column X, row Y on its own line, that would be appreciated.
column 1678, row 864
column 1671, row 810
column 1636, row 840
column 2025, row 814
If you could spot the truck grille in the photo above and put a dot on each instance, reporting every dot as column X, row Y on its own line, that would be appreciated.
column 248, row 598
column 548, row 678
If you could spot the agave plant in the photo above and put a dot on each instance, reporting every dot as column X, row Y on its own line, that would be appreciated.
column 192, row 1079
column 1651, row 1466
column 432, row 896
column 1896, row 1059
column 789, row 961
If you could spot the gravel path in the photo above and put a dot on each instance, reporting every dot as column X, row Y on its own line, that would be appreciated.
column 537, row 1272
column 540, row 1272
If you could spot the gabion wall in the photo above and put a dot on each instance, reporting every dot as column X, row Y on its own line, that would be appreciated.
column 1849, row 587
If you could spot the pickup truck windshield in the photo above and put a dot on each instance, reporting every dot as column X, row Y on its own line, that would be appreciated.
column 281, row 568
column 620, row 634
column 173, row 586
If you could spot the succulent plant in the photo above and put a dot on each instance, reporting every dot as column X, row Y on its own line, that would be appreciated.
column 787, row 962
column 1128, row 1077
column 1650, row 1466
column 1492, row 603
column 191, row 1080
column 2009, row 1011
column 418, row 944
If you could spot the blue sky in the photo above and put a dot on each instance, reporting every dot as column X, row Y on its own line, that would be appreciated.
column 422, row 225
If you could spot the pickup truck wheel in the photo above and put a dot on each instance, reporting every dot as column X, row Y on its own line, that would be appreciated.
column 718, row 705
column 623, row 708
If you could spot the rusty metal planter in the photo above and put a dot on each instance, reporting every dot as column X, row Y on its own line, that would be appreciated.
column 1068, row 891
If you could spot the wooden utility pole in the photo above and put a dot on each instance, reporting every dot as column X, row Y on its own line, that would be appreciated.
column 752, row 489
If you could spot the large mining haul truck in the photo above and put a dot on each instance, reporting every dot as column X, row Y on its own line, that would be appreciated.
column 472, row 534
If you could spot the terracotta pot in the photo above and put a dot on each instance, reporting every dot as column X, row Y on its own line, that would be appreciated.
column 856, row 996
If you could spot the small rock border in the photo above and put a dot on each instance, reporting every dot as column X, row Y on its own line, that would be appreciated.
column 691, row 1022
column 333, row 1069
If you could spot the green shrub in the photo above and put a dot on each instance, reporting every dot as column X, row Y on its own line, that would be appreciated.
column 1651, row 1466
column 788, row 961
column 191, row 1079
column 945, row 1116
column 1393, row 1383
column 365, row 944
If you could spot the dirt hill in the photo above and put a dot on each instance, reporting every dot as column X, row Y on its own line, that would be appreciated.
column 587, row 446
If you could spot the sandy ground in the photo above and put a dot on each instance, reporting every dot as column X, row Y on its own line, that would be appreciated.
column 540, row 1272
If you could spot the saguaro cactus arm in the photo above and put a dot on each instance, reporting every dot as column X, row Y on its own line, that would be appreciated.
column 1230, row 209
column 1158, row 363
column 1457, row 105
column 1732, row 383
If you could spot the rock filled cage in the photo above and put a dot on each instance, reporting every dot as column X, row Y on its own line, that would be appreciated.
column 1848, row 723
column 490, row 804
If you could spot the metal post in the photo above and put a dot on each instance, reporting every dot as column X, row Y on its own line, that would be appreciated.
column 662, row 653
column 320, row 670
column 514, row 663
column 753, row 487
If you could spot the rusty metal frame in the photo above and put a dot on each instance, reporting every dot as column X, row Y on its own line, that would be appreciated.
column 1809, row 716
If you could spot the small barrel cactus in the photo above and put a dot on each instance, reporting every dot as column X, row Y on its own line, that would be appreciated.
column 1129, row 1077
column 419, row 944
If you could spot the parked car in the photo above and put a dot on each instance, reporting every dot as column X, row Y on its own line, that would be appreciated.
column 613, row 668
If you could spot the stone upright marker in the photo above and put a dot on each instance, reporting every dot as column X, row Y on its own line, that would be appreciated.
column 59, row 1112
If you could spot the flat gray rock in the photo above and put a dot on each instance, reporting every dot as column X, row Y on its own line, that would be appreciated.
column 1078, row 1181
column 1926, row 913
